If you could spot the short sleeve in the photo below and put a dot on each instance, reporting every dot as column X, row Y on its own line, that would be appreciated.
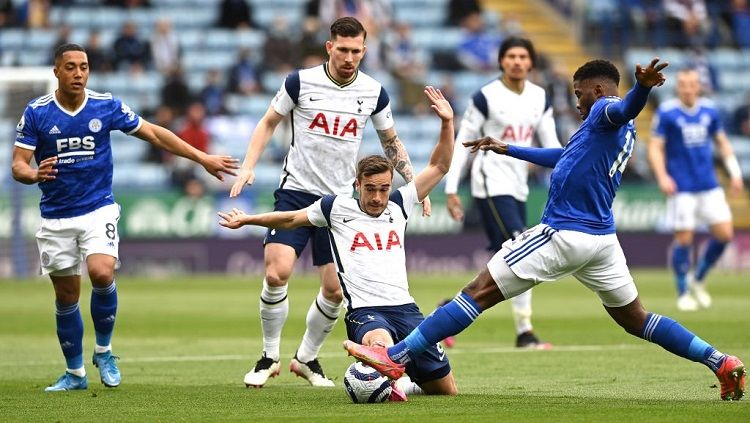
column 288, row 95
column 474, row 118
column 598, row 113
column 382, row 117
column 123, row 118
column 319, row 212
column 406, row 197
column 25, row 133
column 658, row 125
column 716, row 124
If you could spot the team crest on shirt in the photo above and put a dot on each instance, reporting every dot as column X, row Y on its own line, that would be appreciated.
column 95, row 125
column 45, row 259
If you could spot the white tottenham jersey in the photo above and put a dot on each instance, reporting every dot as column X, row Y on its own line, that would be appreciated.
column 514, row 118
column 328, row 120
column 369, row 251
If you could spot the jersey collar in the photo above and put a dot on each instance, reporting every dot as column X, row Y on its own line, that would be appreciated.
column 76, row 111
column 338, row 84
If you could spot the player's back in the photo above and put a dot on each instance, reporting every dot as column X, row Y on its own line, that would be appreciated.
column 80, row 139
column 328, row 121
column 586, row 178
column 688, row 143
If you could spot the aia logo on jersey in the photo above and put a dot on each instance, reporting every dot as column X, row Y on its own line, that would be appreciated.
column 517, row 133
column 361, row 241
column 335, row 127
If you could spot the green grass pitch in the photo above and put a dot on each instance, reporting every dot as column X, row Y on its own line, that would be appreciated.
column 186, row 343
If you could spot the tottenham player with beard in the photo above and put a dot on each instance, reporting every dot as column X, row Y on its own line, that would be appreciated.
column 514, row 110
column 329, row 106
column 367, row 241
column 67, row 133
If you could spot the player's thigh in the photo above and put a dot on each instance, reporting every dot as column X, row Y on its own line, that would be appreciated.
column 607, row 273
column 279, row 262
column 57, row 241
column 446, row 385
column 681, row 211
column 100, row 239
column 713, row 208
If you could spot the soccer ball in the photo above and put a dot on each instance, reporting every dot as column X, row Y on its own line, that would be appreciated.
column 365, row 384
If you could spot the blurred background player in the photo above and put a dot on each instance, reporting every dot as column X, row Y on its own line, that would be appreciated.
column 330, row 105
column 681, row 155
column 68, row 134
column 512, row 109
column 368, row 234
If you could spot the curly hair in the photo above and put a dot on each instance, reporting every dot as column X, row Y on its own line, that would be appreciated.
column 597, row 69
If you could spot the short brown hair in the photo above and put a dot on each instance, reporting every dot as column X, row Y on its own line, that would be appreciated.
column 347, row 27
column 372, row 165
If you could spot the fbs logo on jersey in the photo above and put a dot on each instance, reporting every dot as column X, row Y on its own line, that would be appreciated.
column 334, row 127
column 361, row 241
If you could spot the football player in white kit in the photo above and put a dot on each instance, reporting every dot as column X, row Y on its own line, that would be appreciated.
column 681, row 155
column 67, row 134
column 511, row 109
column 367, row 241
column 329, row 107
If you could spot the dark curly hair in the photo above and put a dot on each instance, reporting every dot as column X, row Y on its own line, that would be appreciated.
column 597, row 69
column 511, row 42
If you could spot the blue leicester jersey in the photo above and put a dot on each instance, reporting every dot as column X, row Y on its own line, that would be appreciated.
column 81, row 142
column 688, row 143
column 586, row 177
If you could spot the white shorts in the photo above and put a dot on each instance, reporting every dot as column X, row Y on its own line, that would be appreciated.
column 542, row 254
column 63, row 243
column 687, row 209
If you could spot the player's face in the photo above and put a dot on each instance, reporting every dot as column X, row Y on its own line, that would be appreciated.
column 586, row 91
column 72, row 72
column 688, row 87
column 516, row 63
column 344, row 56
column 374, row 191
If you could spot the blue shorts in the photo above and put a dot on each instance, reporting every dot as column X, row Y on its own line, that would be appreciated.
column 503, row 217
column 289, row 200
column 399, row 321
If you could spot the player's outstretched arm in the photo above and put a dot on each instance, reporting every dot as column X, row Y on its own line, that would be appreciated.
column 236, row 218
column 546, row 157
column 258, row 141
column 167, row 140
column 634, row 101
column 442, row 154
column 24, row 173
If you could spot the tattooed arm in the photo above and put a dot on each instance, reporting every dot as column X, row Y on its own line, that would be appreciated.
column 396, row 153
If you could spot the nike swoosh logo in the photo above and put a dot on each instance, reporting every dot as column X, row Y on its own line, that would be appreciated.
column 349, row 220
column 315, row 99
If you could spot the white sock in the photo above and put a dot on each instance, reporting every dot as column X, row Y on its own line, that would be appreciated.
column 521, row 305
column 99, row 349
column 78, row 372
column 321, row 317
column 274, row 309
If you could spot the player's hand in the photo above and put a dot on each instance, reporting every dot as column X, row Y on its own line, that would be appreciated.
column 232, row 219
column 455, row 208
column 440, row 105
column 216, row 165
column 667, row 185
column 651, row 76
column 246, row 177
column 736, row 186
column 487, row 144
column 427, row 207
column 46, row 170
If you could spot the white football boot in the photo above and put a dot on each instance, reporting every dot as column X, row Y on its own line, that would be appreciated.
column 312, row 371
column 686, row 302
column 264, row 368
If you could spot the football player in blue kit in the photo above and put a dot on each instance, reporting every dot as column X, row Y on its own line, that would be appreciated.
column 67, row 134
column 681, row 155
column 576, row 236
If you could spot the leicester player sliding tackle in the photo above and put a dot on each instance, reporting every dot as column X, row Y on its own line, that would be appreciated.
column 576, row 236
column 367, row 242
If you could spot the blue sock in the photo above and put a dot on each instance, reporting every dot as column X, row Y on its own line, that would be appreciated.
column 674, row 338
column 103, row 312
column 447, row 320
column 713, row 252
column 681, row 266
column 70, row 334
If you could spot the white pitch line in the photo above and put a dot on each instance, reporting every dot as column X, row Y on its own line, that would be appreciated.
column 249, row 357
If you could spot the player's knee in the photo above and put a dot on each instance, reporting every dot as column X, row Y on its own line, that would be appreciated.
column 332, row 294
column 101, row 274
column 275, row 278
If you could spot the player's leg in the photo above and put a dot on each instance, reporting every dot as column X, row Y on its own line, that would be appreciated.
column 60, row 258
column 99, row 244
column 279, row 262
column 714, row 210
column 681, row 209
